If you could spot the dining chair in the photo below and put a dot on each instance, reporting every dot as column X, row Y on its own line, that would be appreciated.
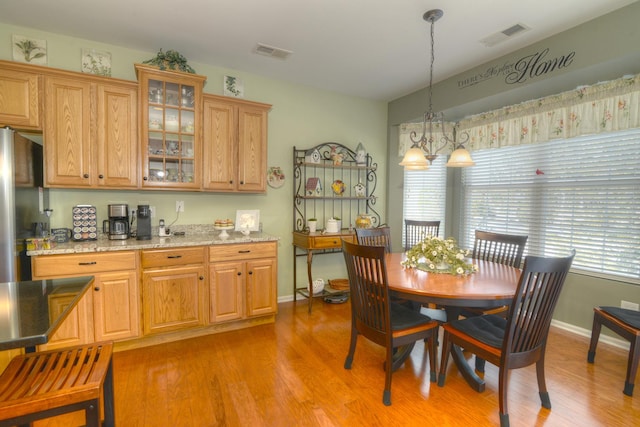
column 625, row 323
column 379, row 236
column 415, row 231
column 519, row 340
column 381, row 321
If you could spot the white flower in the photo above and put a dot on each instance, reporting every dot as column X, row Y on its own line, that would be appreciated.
column 460, row 256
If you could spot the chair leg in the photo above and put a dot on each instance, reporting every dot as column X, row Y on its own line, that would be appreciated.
column 542, row 385
column 92, row 413
column 386, row 394
column 444, row 360
column 352, row 349
column 595, row 335
column 480, row 362
column 632, row 366
column 433, row 356
column 503, row 383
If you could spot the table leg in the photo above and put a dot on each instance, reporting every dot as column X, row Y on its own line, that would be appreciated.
column 465, row 369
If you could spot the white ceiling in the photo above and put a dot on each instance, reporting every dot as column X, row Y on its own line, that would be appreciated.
column 377, row 49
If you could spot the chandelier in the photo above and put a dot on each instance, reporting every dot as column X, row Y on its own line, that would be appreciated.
column 424, row 149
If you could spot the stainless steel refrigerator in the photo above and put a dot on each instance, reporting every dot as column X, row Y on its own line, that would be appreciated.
column 23, row 201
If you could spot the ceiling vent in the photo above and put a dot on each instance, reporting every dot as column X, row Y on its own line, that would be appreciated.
column 274, row 52
column 503, row 35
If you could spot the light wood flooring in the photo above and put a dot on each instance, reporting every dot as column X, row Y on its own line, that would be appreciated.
column 291, row 374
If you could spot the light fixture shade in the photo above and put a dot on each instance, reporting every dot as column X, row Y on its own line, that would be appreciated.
column 460, row 158
column 414, row 159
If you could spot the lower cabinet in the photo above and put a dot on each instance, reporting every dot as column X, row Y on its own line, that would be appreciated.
column 242, row 281
column 109, row 311
column 173, row 289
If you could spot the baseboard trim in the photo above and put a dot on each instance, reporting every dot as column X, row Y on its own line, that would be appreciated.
column 616, row 342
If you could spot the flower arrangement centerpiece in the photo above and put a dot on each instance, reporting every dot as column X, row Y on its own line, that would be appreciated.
column 439, row 255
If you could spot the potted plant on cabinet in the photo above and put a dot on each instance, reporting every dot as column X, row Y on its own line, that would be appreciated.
column 170, row 60
column 312, row 223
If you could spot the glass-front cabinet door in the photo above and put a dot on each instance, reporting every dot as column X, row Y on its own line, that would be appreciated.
column 171, row 105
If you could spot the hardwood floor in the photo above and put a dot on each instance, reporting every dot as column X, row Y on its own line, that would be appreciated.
column 291, row 374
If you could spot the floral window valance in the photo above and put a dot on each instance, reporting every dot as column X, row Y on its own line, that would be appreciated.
column 603, row 107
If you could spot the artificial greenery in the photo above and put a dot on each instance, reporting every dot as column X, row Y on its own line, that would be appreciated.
column 439, row 255
column 171, row 60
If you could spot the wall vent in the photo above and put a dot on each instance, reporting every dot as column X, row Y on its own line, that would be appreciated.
column 274, row 52
column 503, row 35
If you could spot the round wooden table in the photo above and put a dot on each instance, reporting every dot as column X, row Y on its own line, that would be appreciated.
column 493, row 285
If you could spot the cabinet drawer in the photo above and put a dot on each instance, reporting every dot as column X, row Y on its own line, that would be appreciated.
column 327, row 242
column 169, row 257
column 82, row 264
column 242, row 251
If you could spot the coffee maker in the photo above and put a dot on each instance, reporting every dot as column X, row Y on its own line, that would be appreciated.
column 144, row 222
column 118, row 222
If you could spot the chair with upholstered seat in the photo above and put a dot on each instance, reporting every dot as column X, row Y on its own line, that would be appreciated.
column 519, row 340
column 625, row 323
column 375, row 317
column 45, row 384
column 379, row 236
column 415, row 231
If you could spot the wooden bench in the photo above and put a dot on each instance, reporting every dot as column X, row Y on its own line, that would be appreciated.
column 45, row 384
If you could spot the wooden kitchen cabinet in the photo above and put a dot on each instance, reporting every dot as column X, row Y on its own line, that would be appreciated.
column 235, row 148
column 20, row 96
column 242, row 281
column 90, row 132
column 173, row 289
column 111, row 310
column 77, row 328
column 171, row 127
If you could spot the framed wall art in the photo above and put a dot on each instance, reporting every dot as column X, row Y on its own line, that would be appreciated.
column 27, row 49
column 248, row 220
column 96, row 62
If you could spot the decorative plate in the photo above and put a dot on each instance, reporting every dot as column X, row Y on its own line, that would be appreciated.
column 338, row 187
column 275, row 177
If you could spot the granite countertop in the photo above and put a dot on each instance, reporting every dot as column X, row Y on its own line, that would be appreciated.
column 194, row 236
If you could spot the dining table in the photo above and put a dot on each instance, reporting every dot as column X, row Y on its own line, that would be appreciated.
column 492, row 285
column 31, row 311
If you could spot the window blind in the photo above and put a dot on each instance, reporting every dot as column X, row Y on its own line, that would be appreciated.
column 581, row 193
column 425, row 194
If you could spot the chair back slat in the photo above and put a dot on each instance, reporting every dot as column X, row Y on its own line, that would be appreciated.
column 504, row 249
column 532, row 308
column 416, row 231
column 379, row 236
column 369, row 291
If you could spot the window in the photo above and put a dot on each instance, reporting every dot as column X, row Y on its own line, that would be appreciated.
column 581, row 193
column 425, row 193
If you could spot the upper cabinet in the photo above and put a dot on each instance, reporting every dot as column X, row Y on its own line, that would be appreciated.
column 170, row 118
column 20, row 96
column 235, row 145
column 90, row 132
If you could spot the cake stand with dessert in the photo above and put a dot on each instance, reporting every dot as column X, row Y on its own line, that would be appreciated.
column 223, row 225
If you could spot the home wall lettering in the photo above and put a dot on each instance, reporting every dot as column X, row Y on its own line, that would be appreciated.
column 523, row 69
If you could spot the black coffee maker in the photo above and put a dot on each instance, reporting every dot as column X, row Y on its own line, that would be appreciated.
column 144, row 222
column 118, row 223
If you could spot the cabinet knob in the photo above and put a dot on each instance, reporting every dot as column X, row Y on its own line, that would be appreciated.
column 231, row 182
column 101, row 176
column 86, row 175
column 239, row 274
column 144, row 178
column 96, row 288
column 251, row 272
column 201, row 277
column 241, row 182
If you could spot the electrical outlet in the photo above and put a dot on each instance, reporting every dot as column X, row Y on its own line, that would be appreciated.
column 179, row 206
column 152, row 211
column 629, row 305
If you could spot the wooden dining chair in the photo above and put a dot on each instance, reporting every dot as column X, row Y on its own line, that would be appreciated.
column 519, row 340
column 415, row 231
column 379, row 236
column 373, row 316
column 625, row 323
column 505, row 249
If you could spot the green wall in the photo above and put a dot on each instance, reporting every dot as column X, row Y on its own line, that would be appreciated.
column 301, row 116
column 605, row 49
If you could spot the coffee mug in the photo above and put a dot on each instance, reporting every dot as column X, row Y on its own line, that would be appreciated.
column 61, row 235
